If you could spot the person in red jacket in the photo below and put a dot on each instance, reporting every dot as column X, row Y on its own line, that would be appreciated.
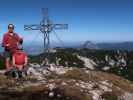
column 19, row 60
column 10, row 43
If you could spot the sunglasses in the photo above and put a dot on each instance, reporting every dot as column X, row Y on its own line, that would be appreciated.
column 10, row 28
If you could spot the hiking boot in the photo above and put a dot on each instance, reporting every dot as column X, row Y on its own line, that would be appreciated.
column 15, row 74
column 20, row 74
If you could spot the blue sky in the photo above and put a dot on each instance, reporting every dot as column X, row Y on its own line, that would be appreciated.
column 94, row 20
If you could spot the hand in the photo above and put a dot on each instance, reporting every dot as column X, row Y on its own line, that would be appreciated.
column 7, row 45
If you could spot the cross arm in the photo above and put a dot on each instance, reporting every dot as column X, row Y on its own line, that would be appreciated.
column 32, row 27
column 60, row 26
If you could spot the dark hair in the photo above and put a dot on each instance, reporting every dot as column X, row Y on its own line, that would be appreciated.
column 10, row 25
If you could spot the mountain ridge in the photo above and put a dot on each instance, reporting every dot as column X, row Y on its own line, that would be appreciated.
column 36, row 49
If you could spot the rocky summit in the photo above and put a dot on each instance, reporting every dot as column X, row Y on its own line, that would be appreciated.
column 65, row 83
column 73, row 74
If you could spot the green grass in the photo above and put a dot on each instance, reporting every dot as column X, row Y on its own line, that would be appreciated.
column 109, row 96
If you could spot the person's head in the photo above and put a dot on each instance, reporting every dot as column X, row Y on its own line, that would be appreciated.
column 20, row 48
column 10, row 28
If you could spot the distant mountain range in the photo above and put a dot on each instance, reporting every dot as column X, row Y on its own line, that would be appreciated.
column 38, row 48
column 122, row 46
column 108, row 46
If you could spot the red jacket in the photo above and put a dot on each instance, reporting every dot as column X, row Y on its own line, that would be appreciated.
column 10, row 42
column 19, row 57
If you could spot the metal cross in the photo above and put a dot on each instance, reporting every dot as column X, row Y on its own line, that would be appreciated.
column 46, row 27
